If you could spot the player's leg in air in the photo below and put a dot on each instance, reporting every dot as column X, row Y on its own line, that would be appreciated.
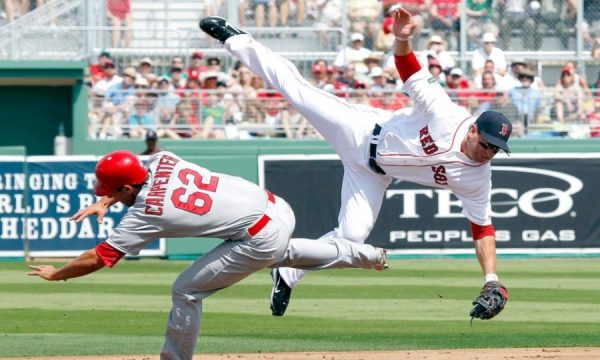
column 346, row 127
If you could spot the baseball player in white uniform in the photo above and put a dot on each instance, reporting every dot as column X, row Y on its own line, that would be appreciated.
column 170, row 197
column 436, row 143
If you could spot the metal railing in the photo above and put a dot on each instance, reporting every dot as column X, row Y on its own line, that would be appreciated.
column 263, row 113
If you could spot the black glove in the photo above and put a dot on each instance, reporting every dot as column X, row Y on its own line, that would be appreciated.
column 490, row 302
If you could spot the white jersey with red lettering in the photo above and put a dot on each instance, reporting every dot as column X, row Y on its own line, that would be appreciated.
column 182, row 199
column 423, row 145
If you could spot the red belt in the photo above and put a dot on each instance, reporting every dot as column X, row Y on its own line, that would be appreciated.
column 263, row 221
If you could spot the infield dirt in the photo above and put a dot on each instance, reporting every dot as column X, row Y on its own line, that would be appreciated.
column 470, row 354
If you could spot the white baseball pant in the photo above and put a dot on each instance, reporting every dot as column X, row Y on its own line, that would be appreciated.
column 232, row 261
column 346, row 127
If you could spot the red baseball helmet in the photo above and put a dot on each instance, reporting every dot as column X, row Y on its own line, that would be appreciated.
column 117, row 169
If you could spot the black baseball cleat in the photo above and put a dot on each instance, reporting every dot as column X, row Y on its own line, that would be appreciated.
column 219, row 28
column 280, row 294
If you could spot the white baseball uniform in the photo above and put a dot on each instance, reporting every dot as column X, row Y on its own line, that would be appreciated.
column 181, row 199
column 420, row 144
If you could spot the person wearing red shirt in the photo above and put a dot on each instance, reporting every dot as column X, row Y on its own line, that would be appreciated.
column 119, row 15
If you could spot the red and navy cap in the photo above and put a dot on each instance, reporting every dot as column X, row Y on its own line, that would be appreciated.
column 495, row 128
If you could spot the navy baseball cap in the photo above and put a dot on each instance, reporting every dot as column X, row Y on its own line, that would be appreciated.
column 495, row 128
column 151, row 135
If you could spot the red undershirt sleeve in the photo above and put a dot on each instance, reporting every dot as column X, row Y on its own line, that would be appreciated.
column 109, row 254
column 407, row 65
column 480, row 231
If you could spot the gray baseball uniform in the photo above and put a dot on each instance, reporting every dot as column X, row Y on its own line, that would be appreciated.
column 181, row 199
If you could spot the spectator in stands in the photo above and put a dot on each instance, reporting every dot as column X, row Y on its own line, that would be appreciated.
column 486, row 96
column 151, row 143
column 346, row 81
column 355, row 54
column 146, row 70
column 364, row 16
column 528, row 100
column 211, row 7
column 579, row 78
column 372, row 61
column 260, row 8
column 213, row 119
column 480, row 19
column 294, row 125
column 488, row 67
column 591, row 28
column 110, row 78
column 176, row 62
column 196, row 66
column 435, row 50
column 234, row 100
column 120, row 92
column 518, row 15
column 568, row 98
column 185, row 123
column 558, row 16
column 385, row 38
column 119, row 100
column 300, row 7
column 458, row 88
column 177, row 80
column 119, row 16
column 381, row 94
column 503, row 104
column 488, row 50
column 209, row 80
column 141, row 120
column 329, row 16
column 167, row 101
column 444, row 16
column 274, row 111
column 319, row 75
column 511, row 80
column 97, row 70
column 435, row 68
column 9, row 10
column 214, row 64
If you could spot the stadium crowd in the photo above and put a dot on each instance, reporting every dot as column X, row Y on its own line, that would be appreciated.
column 197, row 97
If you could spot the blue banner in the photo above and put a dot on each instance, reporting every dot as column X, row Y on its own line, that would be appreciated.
column 37, row 200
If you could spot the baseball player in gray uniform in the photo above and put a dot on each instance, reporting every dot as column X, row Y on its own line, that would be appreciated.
column 436, row 143
column 170, row 197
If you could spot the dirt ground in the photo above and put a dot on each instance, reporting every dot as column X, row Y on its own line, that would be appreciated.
column 470, row 354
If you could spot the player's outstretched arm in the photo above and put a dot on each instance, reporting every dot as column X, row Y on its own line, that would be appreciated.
column 493, row 296
column 86, row 263
column 99, row 208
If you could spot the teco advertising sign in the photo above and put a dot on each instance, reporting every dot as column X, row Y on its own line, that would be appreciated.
column 541, row 203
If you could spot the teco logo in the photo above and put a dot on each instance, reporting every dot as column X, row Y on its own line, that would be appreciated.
column 526, row 201
column 450, row 207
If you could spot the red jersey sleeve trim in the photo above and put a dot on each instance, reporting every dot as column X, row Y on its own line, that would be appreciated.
column 407, row 65
column 479, row 231
column 109, row 254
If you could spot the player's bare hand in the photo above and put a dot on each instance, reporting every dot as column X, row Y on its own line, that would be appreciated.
column 46, row 272
column 404, row 25
column 99, row 208
column 94, row 209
